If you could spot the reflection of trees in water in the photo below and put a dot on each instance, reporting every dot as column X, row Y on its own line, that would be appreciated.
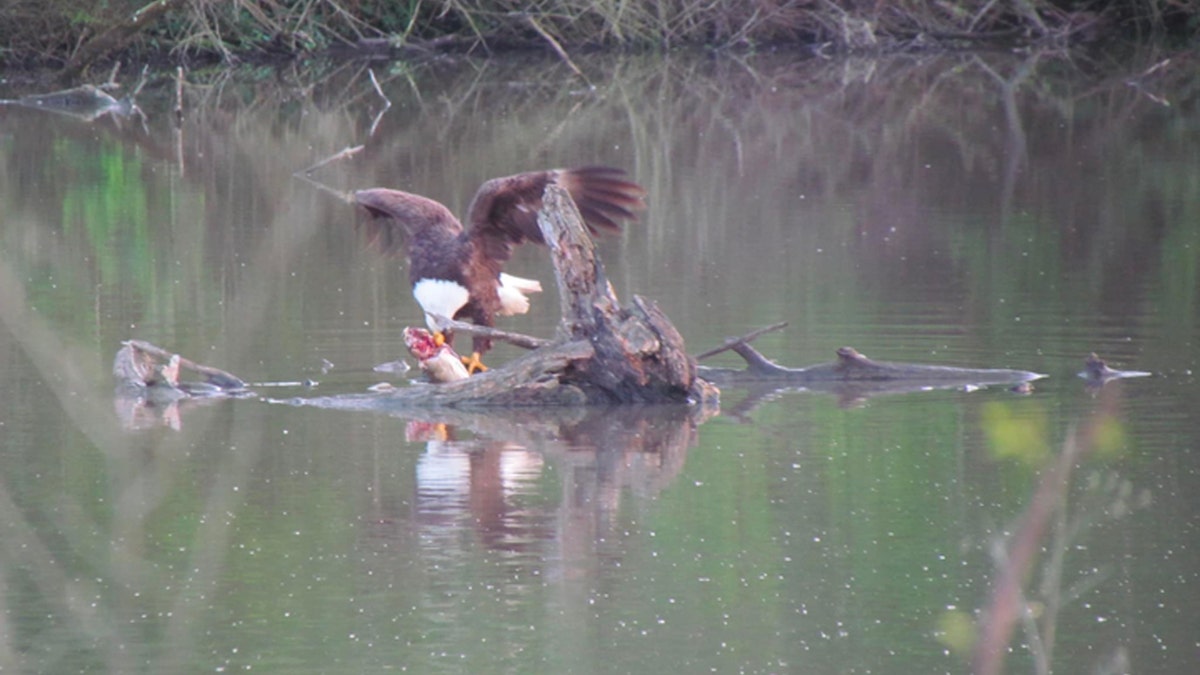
column 506, row 506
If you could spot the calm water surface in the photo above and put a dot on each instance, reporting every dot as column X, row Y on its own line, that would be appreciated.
column 978, row 211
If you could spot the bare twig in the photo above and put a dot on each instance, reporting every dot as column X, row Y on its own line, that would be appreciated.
column 387, row 103
column 305, row 174
column 1136, row 83
column 111, row 82
column 731, row 343
column 137, row 89
column 516, row 339
column 335, row 157
column 379, row 90
column 342, row 196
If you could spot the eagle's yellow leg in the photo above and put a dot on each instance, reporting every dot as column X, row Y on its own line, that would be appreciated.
column 474, row 364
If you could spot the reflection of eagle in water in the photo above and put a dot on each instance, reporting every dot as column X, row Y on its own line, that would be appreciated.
column 455, row 272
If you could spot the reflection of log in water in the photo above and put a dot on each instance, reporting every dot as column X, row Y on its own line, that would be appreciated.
column 493, row 484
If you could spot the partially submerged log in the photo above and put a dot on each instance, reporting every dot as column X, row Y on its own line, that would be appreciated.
column 605, row 353
column 1096, row 371
column 853, row 377
column 149, row 391
column 143, row 370
column 851, row 366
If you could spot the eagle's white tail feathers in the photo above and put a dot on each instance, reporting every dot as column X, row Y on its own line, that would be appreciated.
column 512, row 293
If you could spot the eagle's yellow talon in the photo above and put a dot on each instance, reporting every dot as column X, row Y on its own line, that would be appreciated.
column 440, row 432
column 474, row 364
column 439, row 338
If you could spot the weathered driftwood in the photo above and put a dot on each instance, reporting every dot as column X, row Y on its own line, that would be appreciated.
column 515, row 339
column 87, row 102
column 1096, row 371
column 852, row 366
column 149, row 392
column 853, row 378
column 639, row 355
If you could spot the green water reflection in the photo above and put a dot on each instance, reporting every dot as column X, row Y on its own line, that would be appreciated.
column 991, row 212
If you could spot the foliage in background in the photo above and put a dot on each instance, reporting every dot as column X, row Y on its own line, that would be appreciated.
column 72, row 32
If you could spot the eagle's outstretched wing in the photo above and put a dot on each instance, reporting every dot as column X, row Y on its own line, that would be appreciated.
column 390, row 217
column 504, row 211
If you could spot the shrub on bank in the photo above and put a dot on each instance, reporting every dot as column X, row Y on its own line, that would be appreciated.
column 80, row 33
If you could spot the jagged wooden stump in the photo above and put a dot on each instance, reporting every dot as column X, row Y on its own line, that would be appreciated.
column 638, row 355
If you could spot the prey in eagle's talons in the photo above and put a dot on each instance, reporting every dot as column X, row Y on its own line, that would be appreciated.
column 439, row 362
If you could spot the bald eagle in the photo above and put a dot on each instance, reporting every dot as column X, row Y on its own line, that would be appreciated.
column 455, row 271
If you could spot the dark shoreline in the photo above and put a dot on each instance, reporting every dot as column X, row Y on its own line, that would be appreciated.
column 174, row 33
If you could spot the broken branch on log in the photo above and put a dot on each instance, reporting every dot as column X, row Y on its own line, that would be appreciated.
column 639, row 355
column 731, row 343
column 306, row 174
column 516, row 339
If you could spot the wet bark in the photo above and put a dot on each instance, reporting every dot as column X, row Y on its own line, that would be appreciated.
column 639, row 356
